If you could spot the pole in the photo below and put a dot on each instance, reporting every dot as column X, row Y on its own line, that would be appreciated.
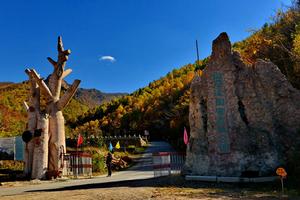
column 76, row 174
column 282, row 185
column 15, row 148
column 197, row 53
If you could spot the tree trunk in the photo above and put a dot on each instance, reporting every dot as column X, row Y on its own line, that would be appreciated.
column 32, row 111
column 40, row 154
column 57, row 142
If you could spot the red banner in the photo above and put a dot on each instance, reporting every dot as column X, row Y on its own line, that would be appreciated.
column 79, row 140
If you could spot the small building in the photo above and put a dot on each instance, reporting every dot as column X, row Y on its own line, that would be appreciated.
column 12, row 147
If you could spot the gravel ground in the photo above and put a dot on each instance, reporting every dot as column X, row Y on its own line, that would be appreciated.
column 163, row 188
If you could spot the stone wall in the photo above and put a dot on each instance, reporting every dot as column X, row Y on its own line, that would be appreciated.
column 243, row 118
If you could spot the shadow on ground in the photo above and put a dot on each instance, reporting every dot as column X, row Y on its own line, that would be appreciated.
column 270, row 190
column 8, row 175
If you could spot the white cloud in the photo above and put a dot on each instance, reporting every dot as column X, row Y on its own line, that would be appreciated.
column 107, row 58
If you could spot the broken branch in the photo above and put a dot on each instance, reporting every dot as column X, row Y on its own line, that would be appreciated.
column 66, row 73
column 65, row 99
column 40, row 83
column 52, row 62
column 25, row 106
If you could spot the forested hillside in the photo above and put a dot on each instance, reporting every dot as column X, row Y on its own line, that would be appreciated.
column 13, row 115
column 162, row 106
column 278, row 42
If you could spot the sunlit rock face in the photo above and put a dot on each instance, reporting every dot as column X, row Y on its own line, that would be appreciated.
column 243, row 119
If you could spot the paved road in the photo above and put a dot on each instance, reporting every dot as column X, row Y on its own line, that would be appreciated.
column 142, row 170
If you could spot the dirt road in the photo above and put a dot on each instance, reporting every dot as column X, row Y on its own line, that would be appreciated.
column 142, row 170
column 134, row 184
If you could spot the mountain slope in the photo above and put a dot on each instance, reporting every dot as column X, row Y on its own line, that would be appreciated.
column 13, row 115
column 93, row 97
column 279, row 42
column 5, row 84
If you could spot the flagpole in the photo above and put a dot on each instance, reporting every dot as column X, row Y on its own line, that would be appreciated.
column 76, row 174
column 79, row 142
column 197, row 62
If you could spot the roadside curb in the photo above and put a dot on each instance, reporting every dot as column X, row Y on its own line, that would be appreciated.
column 231, row 179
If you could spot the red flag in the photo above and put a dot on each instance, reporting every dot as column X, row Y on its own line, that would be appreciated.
column 185, row 136
column 79, row 140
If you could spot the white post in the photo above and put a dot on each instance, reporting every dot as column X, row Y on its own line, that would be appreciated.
column 281, row 178
column 76, row 162
column 15, row 149
column 169, row 162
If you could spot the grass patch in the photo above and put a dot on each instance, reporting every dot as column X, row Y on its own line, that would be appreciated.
column 11, row 170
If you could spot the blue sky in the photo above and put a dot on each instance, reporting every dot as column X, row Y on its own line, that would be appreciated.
column 142, row 39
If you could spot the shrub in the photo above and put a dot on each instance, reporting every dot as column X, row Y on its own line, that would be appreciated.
column 98, row 163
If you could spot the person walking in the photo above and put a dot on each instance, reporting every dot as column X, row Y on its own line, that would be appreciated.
column 108, row 163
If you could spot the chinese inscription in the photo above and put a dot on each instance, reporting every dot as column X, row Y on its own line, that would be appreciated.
column 222, row 133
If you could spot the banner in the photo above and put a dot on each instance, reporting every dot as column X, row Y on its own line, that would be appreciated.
column 110, row 148
column 118, row 145
column 79, row 140
column 185, row 136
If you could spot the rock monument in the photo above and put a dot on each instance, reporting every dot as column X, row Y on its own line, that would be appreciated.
column 45, row 137
column 243, row 118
